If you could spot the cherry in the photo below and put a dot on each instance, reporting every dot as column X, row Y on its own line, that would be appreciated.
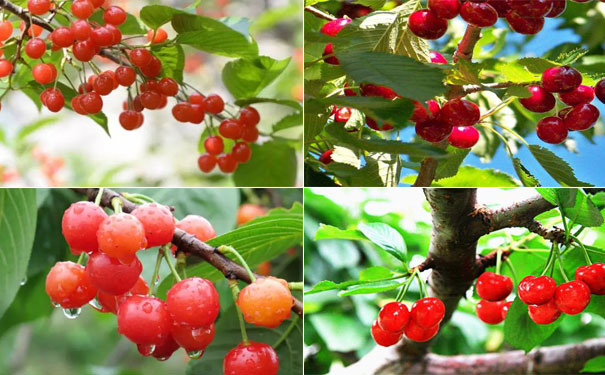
column 546, row 313
column 103, row 85
column 342, row 114
column 326, row 157
column 125, row 76
column 393, row 317
column 531, row 8
column 157, row 36
column 447, row 9
column 561, row 78
column 144, row 320
column 102, row 36
column 214, row 145
column 35, row 48
column 250, row 135
column 524, row 25
column 563, row 112
column 552, row 130
column 6, row 68
column 494, row 287
column 329, row 50
column 120, row 236
column 501, row 7
column 252, row 358
column 384, row 338
column 266, row 302
column 192, row 339
column 231, row 128
column 241, row 152
column 227, row 163
column 54, row 101
column 600, row 90
column 206, row 162
column 91, row 102
column 420, row 113
column 44, row 73
column 164, row 350
column 505, row 308
column 593, row 276
column 81, row 29
column 109, row 302
column 193, row 301
column 114, row 15
column 196, row 98
column 62, row 37
column 151, row 100
column 427, row 312
column 34, row 30
column 153, row 69
column 197, row 226
column 131, row 120
column 540, row 100
column 110, row 276
column 80, row 224
column 436, row 57
column 84, row 51
column 433, row 130
column 463, row 137
column 582, row 94
column 378, row 127
column 478, row 14
column 140, row 57
column 417, row 333
column 536, row 290
column 68, row 285
column 249, row 116
column 182, row 112
column 572, row 297
column 168, row 86
column 425, row 24
column 248, row 212
column 76, row 105
column 158, row 222
column 369, row 89
column 82, row 9
column 38, row 7
column 214, row 104
column 332, row 28
column 459, row 112
column 6, row 30
column 489, row 312
column 581, row 117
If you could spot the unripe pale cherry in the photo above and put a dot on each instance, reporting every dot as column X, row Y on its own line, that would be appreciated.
column 266, row 302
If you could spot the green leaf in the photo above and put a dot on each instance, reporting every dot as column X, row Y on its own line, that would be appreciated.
column 449, row 167
column 521, row 332
column 556, row 167
column 578, row 207
column 155, row 16
column 288, row 103
column 18, row 226
column 518, row 91
column 468, row 176
column 69, row 93
column 325, row 232
column 527, row 179
column 173, row 60
column 246, row 78
column 210, row 35
column 395, row 112
column 374, row 4
column 273, row 163
column 386, row 238
column 465, row 73
column 570, row 57
column 34, row 126
column 408, row 77
column 384, row 146
column 371, row 288
column 290, row 121
column 375, row 273
column 596, row 364
column 340, row 332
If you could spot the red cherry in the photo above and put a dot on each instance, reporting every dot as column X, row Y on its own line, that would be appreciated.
column 447, row 9
column 478, row 14
column 193, row 339
column 593, row 276
column 531, row 8
column 158, row 222
column 250, row 135
column 227, row 163
column 420, row 114
column 125, row 75
column 582, row 117
column 536, row 290
column 62, row 37
column 206, row 162
column 563, row 112
column 109, row 302
column 384, row 338
column 241, row 152
column 140, row 57
column 103, row 85
column 114, row 15
column 35, row 48
column 544, row 314
column 490, row 312
column 81, row 30
column 193, row 301
column 600, row 90
column 378, row 127
column 76, row 105
column 427, row 312
column 153, row 69
column 557, row 9
column 561, row 78
column 416, row 333
column 157, row 36
column 572, row 297
column 6, row 30
column 505, row 308
column 197, row 226
column 168, row 86
column 68, row 285
column 433, row 130
column 231, row 128
column 501, row 7
column 332, row 28
column 82, row 9
column 182, row 112
column 343, row 114
column 144, row 320
column 110, row 276
column 459, row 112
column 425, row 24
column 436, row 57
column 393, row 317
column 540, row 100
column 214, row 145
column 54, row 100
column 253, row 358
column 84, row 51
column 329, row 50
column 91, row 102
column 249, row 116
column 80, row 224
column 369, row 89
column 552, row 130
column 524, row 25
column 326, row 157
column 164, row 350
column 493, row 287
column 44, row 73
column 131, row 120
column 6, row 68
column 196, row 98
column 38, row 7
column 463, row 137
column 214, row 104
column 582, row 94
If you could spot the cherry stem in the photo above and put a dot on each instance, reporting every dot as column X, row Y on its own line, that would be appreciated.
column 565, row 226
column 224, row 249
column 320, row 14
column 99, row 196
column 287, row 332
column 405, row 288
column 296, row 285
column 422, row 286
column 586, row 257
column 548, row 260
column 138, row 198
column 242, row 325
column 163, row 251
column 81, row 258
column 181, row 262
column 154, row 277
column 511, row 267
column 498, row 261
column 560, row 262
column 116, row 203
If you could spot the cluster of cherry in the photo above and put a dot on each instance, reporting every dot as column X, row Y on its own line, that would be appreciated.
column 420, row 324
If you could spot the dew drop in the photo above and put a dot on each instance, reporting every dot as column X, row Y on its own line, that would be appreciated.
column 55, row 305
column 72, row 313
column 146, row 350
column 195, row 354
column 23, row 281
column 162, row 359
column 95, row 303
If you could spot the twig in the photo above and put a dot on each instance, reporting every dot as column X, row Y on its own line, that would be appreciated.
column 318, row 13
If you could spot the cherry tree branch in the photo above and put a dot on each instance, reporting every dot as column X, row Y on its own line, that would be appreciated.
column 320, row 14
column 186, row 242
